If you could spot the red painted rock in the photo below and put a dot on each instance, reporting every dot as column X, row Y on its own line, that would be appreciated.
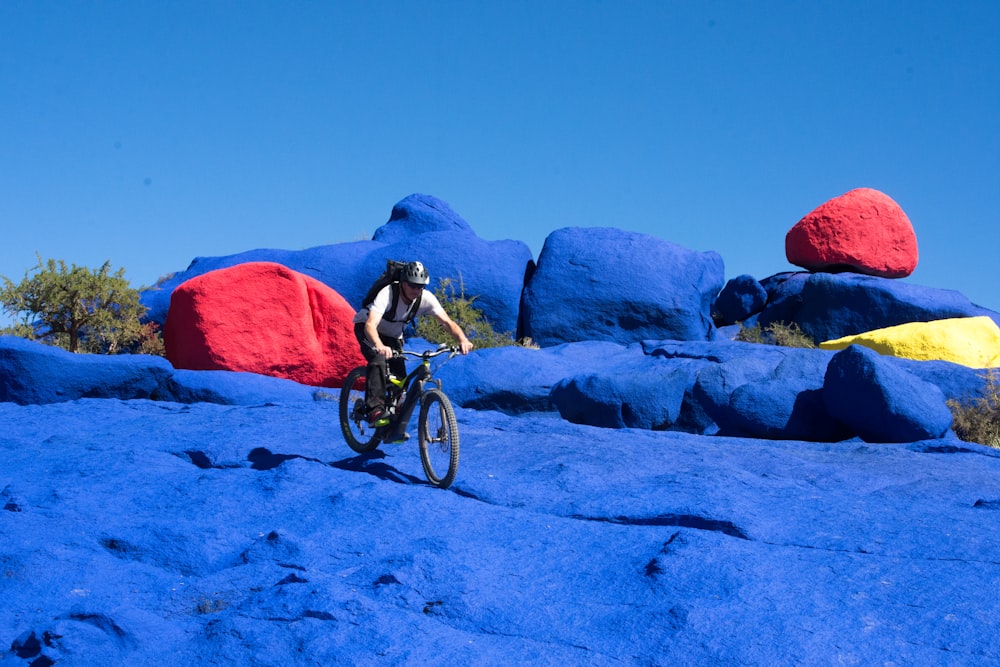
column 263, row 318
column 863, row 231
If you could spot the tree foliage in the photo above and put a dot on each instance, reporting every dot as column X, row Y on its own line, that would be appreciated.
column 78, row 309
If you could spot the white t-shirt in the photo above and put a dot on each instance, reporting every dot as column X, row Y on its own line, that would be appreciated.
column 429, row 305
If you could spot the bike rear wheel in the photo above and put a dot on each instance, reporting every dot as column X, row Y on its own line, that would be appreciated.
column 438, row 438
column 359, row 434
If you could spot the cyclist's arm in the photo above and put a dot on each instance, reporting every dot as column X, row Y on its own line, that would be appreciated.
column 464, row 344
column 375, row 312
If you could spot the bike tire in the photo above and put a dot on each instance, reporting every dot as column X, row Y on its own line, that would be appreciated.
column 359, row 434
column 439, row 442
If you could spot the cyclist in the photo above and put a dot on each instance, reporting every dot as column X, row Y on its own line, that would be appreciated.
column 379, row 327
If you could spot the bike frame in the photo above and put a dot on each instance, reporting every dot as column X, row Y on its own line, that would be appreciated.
column 413, row 385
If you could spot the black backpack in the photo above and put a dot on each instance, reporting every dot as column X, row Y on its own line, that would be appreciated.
column 391, row 276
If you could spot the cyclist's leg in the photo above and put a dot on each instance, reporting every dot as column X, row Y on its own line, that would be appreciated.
column 375, row 373
column 397, row 364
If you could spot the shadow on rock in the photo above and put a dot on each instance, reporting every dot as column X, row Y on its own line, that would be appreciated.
column 261, row 458
column 371, row 464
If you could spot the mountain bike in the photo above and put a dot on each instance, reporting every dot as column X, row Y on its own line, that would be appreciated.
column 437, row 428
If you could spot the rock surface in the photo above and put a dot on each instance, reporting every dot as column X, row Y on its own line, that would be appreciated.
column 34, row 373
column 881, row 402
column 420, row 214
column 607, row 284
column 420, row 227
column 160, row 516
column 264, row 318
column 741, row 297
column 719, row 388
column 863, row 230
column 148, row 533
column 599, row 284
column 828, row 306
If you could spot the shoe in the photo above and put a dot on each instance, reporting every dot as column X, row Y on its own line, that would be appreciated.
column 378, row 417
column 400, row 440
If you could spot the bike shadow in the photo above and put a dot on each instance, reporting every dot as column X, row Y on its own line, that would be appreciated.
column 260, row 458
column 373, row 464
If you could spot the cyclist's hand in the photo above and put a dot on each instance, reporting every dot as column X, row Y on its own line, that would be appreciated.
column 465, row 346
column 384, row 350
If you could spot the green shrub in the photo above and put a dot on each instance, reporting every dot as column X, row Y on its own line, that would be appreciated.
column 460, row 308
column 978, row 419
column 752, row 334
column 78, row 309
column 776, row 333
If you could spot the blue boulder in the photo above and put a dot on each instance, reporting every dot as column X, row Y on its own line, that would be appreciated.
column 32, row 372
column 722, row 388
column 833, row 305
column 789, row 404
column 517, row 380
column 608, row 284
column 742, row 297
column 491, row 273
column 235, row 388
column 765, row 391
column 735, row 364
column 419, row 214
column 646, row 393
column 956, row 381
column 420, row 227
column 881, row 402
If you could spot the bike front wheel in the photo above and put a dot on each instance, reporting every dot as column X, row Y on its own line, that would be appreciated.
column 438, row 438
column 360, row 436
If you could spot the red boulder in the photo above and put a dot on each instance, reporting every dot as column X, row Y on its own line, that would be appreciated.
column 863, row 231
column 263, row 318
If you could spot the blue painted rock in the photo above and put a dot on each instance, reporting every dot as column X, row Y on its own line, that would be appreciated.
column 144, row 533
column 645, row 392
column 882, row 402
column 421, row 228
column 31, row 372
column 419, row 214
column 828, row 306
column 788, row 404
column 235, row 388
column 608, row 284
column 742, row 297
column 517, row 380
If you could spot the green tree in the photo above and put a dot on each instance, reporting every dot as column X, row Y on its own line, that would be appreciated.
column 75, row 308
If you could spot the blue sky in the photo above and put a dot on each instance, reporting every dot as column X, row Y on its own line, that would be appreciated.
column 150, row 133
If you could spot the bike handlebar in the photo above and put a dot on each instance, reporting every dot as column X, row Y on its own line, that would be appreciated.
column 450, row 350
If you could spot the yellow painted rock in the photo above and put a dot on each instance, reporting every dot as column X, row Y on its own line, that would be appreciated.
column 970, row 341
